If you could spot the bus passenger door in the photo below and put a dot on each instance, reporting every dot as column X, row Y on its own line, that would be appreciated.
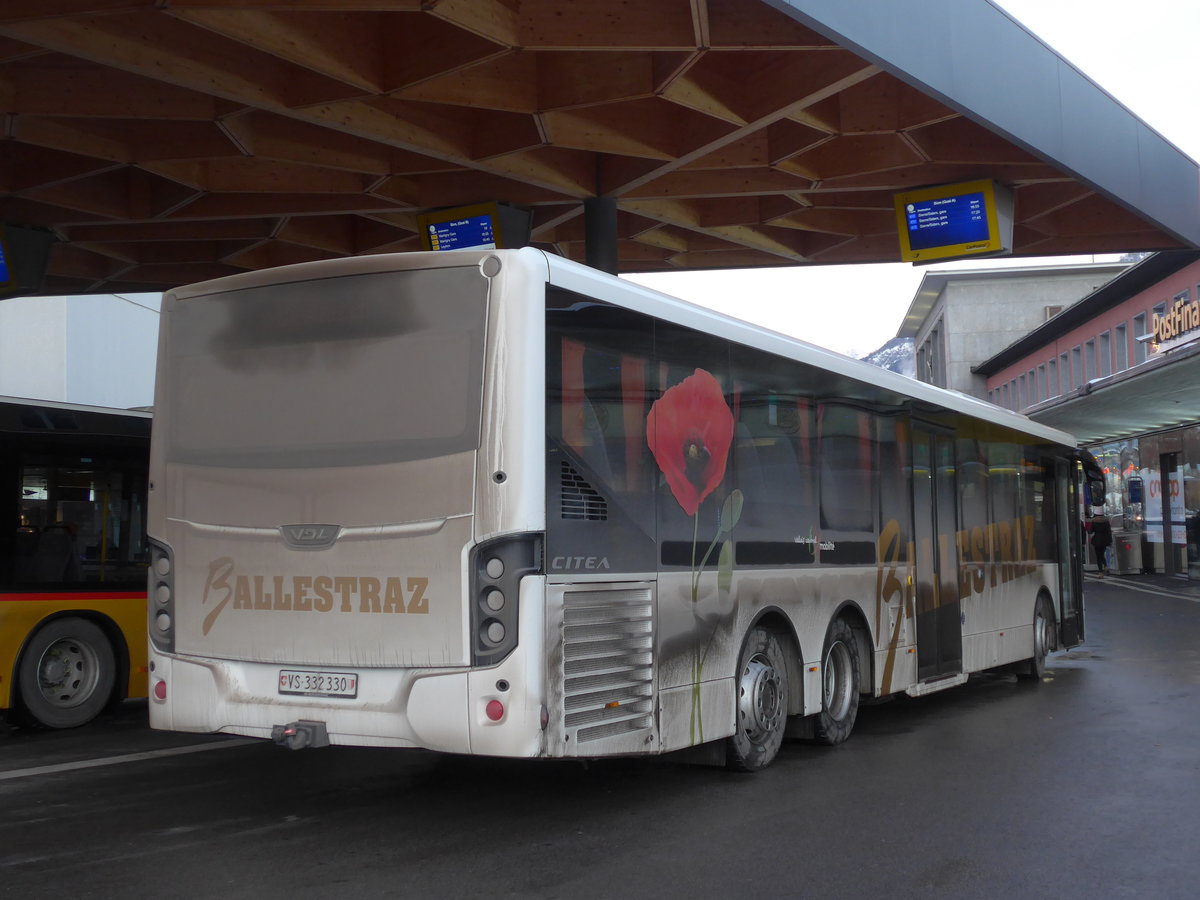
column 935, row 528
column 1070, row 567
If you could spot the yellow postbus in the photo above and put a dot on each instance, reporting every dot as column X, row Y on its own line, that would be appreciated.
column 73, row 559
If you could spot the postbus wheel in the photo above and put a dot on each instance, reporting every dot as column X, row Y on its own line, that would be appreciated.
column 839, row 684
column 762, row 702
column 66, row 673
column 1044, row 641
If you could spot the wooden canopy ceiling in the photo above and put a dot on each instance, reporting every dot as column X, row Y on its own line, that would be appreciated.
column 171, row 141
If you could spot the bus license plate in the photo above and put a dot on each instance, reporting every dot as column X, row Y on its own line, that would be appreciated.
column 318, row 684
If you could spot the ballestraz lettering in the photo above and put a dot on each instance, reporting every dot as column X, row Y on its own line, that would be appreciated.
column 340, row 594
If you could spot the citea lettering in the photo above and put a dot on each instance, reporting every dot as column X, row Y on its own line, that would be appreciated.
column 341, row 594
column 579, row 562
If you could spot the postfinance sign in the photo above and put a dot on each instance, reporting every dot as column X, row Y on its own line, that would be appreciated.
column 1180, row 319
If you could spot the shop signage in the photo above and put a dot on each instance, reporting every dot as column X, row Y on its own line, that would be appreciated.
column 1180, row 320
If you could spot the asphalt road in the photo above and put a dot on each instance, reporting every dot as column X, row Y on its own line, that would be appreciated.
column 1085, row 785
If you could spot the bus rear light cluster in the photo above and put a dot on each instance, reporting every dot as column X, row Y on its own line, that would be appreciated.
column 160, row 690
column 161, row 606
column 497, row 568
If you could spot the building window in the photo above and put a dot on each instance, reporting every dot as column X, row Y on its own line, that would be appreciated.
column 1077, row 367
column 1089, row 359
column 1105, row 361
column 1022, row 393
column 931, row 360
column 1139, row 332
column 1064, row 374
column 1053, row 389
column 1041, row 382
column 1121, row 346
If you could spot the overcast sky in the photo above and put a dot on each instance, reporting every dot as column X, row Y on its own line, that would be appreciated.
column 1145, row 53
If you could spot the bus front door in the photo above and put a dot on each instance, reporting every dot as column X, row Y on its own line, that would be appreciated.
column 1070, row 548
column 935, row 527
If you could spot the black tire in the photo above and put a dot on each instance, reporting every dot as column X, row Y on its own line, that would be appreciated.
column 66, row 674
column 1034, row 669
column 839, row 684
column 762, row 702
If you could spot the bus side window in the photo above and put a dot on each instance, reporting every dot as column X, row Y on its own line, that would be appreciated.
column 772, row 462
column 849, row 474
column 1037, row 503
column 600, row 477
column 80, row 523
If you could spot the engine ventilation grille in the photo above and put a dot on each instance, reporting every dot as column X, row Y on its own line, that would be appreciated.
column 579, row 499
column 608, row 665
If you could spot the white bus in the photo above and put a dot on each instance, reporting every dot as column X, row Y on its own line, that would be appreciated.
column 500, row 503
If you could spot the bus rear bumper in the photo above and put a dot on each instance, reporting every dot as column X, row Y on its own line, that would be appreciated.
column 488, row 712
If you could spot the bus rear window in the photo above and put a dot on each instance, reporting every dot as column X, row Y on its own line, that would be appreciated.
column 361, row 370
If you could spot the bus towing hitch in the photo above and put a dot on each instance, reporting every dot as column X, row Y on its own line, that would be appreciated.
column 301, row 734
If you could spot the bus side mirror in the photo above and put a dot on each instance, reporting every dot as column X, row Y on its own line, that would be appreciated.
column 1095, row 492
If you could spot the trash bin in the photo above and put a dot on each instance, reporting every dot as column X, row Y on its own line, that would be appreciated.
column 1126, row 552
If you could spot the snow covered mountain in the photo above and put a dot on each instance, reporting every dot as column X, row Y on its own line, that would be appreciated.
column 897, row 355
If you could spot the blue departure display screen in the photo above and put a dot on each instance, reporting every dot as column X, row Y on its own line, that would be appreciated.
column 941, row 221
column 471, row 233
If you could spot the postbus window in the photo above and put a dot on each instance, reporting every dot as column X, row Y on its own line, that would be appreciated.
column 82, row 522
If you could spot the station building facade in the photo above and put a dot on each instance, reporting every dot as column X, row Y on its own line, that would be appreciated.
column 958, row 318
column 1120, row 369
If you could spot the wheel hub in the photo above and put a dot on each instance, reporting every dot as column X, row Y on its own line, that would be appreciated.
column 760, row 699
column 54, row 672
column 68, row 672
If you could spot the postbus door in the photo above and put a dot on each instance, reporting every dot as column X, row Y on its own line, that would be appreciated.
column 935, row 527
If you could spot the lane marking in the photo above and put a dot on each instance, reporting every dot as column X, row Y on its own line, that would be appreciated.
column 1145, row 589
column 128, row 757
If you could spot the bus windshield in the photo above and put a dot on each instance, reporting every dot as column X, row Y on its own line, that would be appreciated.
column 354, row 371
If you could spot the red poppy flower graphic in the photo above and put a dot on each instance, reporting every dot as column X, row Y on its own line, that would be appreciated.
column 689, row 430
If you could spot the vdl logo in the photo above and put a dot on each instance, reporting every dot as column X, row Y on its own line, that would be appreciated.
column 309, row 537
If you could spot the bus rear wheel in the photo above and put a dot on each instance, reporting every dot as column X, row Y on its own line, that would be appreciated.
column 66, row 673
column 839, row 684
column 762, row 702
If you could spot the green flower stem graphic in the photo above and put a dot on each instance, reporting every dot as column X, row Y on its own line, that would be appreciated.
column 731, row 511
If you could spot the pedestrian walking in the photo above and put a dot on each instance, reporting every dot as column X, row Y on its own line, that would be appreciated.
column 1101, row 533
